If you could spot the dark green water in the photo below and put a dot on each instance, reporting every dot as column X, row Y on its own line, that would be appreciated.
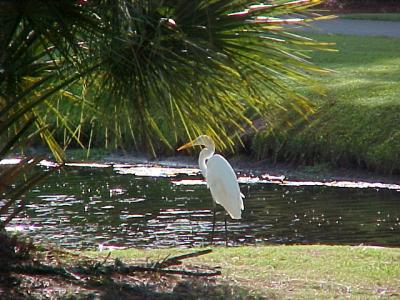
column 88, row 207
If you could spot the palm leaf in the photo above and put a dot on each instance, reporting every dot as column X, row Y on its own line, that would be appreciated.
column 216, row 59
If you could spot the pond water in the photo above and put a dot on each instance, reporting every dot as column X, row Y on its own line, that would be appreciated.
column 103, row 206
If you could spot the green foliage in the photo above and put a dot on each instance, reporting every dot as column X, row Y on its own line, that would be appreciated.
column 171, row 70
column 150, row 73
column 41, row 55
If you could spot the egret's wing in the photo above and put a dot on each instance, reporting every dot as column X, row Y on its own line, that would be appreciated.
column 224, row 187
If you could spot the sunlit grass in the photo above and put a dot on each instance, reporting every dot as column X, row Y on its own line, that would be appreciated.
column 364, row 68
column 357, row 122
column 297, row 272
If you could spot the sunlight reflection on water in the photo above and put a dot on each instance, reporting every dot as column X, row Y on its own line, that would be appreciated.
column 88, row 205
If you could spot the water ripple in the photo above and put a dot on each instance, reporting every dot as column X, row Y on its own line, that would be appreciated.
column 87, row 207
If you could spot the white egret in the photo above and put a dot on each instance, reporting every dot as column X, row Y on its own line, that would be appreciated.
column 220, row 178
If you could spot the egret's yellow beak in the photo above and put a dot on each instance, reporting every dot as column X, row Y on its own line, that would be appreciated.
column 187, row 145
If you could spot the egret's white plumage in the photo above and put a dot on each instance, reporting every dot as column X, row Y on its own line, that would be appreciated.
column 224, row 187
column 220, row 177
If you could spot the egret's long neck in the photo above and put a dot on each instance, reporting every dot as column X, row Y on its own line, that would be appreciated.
column 205, row 154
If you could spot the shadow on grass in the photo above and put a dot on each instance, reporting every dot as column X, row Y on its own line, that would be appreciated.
column 186, row 289
column 27, row 272
column 151, row 287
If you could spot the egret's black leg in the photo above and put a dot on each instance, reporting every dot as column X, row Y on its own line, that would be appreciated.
column 213, row 227
column 226, row 232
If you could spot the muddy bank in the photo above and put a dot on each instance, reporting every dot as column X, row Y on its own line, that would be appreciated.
column 249, row 165
column 241, row 163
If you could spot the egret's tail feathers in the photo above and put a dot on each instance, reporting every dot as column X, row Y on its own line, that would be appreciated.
column 236, row 215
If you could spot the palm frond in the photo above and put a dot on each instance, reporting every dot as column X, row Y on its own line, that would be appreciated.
column 205, row 63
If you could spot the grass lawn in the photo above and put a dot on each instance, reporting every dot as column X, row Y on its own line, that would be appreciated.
column 372, row 16
column 247, row 272
column 357, row 123
column 293, row 272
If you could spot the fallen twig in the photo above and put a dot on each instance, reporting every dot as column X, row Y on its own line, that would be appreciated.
column 107, row 257
column 117, row 268
column 111, row 269
column 41, row 269
column 177, row 260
